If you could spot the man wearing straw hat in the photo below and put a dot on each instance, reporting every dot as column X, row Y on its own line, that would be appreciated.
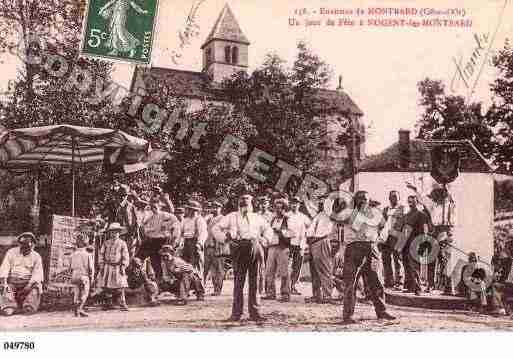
column 21, row 277
column 194, row 234
column 245, row 230
column 113, row 260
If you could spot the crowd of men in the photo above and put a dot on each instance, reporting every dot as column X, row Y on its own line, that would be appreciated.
column 150, row 247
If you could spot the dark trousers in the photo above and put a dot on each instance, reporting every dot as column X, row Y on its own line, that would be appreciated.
column 297, row 262
column 355, row 255
column 193, row 254
column 150, row 248
column 316, row 282
column 214, row 264
column 247, row 257
column 411, row 270
column 392, row 275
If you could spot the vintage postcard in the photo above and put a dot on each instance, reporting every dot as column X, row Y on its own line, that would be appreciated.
column 243, row 165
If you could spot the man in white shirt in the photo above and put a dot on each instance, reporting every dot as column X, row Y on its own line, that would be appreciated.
column 159, row 228
column 394, row 216
column 278, row 253
column 194, row 234
column 360, row 234
column 318, row 239
column 298, row 223
column 245, row 229
column 21, row 277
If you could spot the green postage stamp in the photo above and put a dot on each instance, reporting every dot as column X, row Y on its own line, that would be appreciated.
column 121, row 30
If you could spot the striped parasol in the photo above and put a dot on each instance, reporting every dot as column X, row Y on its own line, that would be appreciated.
column 28, row 148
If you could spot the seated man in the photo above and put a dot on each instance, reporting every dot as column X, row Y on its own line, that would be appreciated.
column 481, row 291
column 178, row 276
column 502, row 265
column 21, row 277
column 141, row 279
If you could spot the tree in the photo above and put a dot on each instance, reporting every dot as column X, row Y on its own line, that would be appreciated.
column 450, row 117
column 197, row 168
column 500, row 115
column 285, row 107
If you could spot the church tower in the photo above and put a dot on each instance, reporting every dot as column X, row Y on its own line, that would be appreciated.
column 225, row 51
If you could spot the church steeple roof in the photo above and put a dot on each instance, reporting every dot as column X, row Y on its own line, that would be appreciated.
column 226, row 28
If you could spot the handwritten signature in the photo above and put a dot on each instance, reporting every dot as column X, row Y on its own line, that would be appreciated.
column 468, row 73
column 188, row 32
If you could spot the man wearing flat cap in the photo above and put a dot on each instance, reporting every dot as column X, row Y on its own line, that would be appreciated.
column 194, row 234
column 245, row 230
column 21, row 277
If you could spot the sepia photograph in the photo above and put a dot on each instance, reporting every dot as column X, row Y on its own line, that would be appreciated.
column 255, row 166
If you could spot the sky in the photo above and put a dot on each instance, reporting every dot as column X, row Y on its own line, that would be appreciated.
column 380, row 66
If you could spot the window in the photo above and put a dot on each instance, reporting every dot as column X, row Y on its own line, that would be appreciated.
column 209, row 56
column 235, row 55
column 227, row 54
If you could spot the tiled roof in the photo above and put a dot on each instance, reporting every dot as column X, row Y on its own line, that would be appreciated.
column 420, row 158
column 226, row 28
column 189, row 84
column 198, row 85
column 339, row 100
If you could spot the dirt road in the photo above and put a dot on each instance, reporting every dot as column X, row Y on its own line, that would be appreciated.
column 210, row 315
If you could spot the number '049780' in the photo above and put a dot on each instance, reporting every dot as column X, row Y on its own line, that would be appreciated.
column 96, row 37
column 19, row 346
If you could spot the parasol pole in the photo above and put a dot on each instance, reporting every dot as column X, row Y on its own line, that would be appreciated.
column 73, row 176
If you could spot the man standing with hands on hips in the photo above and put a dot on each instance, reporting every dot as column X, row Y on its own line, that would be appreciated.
column 245, row 229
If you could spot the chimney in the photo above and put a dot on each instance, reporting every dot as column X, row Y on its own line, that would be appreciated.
column 404, row 149
column 340, row 88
